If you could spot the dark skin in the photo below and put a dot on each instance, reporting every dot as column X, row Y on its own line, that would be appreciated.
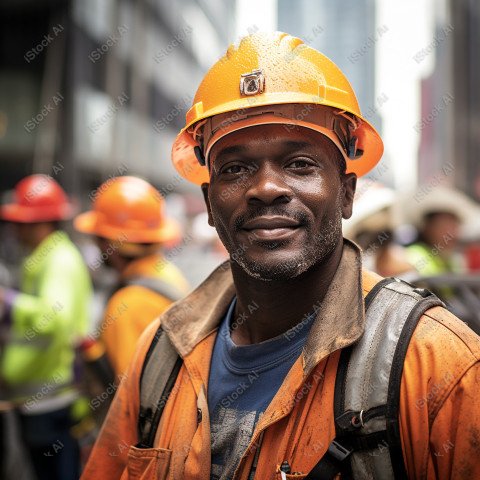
column 114, row 258
column 442, row 228
column 30, row 235
column 273, row 193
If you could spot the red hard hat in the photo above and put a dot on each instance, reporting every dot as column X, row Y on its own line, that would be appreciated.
column 37, row 198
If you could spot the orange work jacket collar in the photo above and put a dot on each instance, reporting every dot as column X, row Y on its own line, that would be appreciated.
column 339, row 322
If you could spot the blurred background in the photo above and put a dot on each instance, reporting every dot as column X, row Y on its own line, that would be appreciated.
column 96, row 89
column 91, row 89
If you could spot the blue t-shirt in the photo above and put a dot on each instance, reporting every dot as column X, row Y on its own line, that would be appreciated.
column 243, row 380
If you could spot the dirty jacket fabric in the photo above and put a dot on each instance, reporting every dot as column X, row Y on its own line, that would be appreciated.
column 133, row 307
column 47, row 317
column 439, row 405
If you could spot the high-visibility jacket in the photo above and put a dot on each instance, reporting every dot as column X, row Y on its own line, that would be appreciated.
column 133, row 307
column 439, row 400
column 47, row 317
column 428, row 261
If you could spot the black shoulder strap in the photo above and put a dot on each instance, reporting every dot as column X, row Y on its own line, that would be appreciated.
column 159, row 372
column 334, row 460
column 429, row 300
column 337, row 458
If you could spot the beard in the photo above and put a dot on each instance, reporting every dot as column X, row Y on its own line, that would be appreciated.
column 319, row 246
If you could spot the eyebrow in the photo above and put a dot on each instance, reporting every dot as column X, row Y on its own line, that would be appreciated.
column 289, row 145
column 232, row 150
column 295, row 145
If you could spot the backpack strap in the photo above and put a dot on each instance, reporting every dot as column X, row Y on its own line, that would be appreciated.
column 159, row 372
column 367, row 442
column 427, row 301
column 157, row 285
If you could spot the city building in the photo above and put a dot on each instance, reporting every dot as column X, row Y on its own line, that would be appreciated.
column 97, row 88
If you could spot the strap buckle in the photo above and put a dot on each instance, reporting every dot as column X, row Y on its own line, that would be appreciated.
column 338, row 451
column 350, row 421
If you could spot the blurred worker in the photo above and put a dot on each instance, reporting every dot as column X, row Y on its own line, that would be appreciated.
column 470, row 236
column 372, row 227
column 44, row 320
column 283, row 363
column 130, row 226
column 439, row 216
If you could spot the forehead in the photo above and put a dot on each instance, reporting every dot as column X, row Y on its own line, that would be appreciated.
column 261, row 139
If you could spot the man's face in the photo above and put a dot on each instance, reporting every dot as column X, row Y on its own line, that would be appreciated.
column 24, row 231
column 442, row 229
column 107, row 247
column 276, row 198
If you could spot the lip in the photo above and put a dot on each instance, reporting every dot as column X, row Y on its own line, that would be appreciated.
column 271, row 228
column 270, row 223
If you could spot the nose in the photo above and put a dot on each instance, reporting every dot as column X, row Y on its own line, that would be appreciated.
column 268, row 186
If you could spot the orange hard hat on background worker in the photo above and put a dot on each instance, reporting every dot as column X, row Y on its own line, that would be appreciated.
column 287, row 82
column 130, row 210
column 38, row 198
column 130, row 213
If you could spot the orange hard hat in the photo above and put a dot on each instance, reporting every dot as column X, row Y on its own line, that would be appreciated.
column 274, row 78
column 128, row 210
column 37, row 198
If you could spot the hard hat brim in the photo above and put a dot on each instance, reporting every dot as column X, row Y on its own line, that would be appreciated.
column 14, row 212
column 88, row 222
column 186, row 163
column 371, row 211
column 439, row 199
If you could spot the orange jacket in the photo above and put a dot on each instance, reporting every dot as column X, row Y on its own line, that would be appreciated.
column 439, row 404
column 133, row 307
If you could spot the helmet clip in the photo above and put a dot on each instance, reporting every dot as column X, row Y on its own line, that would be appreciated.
column 199, row 155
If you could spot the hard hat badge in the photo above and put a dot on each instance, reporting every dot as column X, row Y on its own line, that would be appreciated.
column 252, row 83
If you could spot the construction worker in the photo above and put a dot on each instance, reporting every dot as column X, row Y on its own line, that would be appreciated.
column 43, row 320
column 439, row 216
column 130, row 226
column 290, row 361
column 372, row 226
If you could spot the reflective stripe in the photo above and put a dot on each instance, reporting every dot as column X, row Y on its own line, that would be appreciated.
column 34, row 391
column 39, row 342
column 49, row 404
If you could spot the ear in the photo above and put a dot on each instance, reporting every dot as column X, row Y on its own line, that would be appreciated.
column 349, row 181
column 205, row 187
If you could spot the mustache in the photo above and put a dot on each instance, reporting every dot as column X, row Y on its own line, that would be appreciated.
column 252, row 214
